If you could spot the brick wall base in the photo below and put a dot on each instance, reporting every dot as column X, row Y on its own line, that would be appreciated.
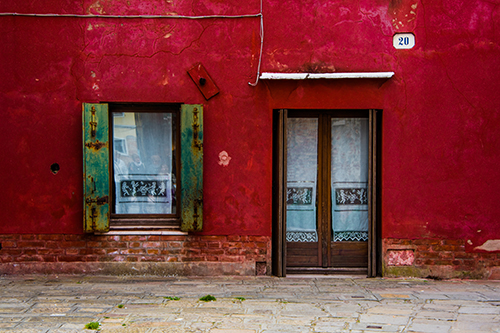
column 157, row 255
column 437, row 258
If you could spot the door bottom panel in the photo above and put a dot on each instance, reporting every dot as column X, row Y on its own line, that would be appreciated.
column 327, row 271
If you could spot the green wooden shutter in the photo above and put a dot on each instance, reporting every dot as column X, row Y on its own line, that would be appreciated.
column 192, row 167
column 96, row 182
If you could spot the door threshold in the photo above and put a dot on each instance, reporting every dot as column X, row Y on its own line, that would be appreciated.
column 328, row 271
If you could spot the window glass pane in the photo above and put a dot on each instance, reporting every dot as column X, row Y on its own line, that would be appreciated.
column 349, row 179
column 144, row 162
column 302, row 167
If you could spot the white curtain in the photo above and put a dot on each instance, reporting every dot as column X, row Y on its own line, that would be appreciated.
column 302, row 165
column 349, row 180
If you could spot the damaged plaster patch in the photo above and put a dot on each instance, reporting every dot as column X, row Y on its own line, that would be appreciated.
column 224, row 158
column 400, row 257
column 489, row 245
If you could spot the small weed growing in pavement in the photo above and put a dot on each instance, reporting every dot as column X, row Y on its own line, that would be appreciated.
column 120, row 306
column 240, row 298
column 124, row 324
column 172, row 298
column 93, row 325
column 208, row 298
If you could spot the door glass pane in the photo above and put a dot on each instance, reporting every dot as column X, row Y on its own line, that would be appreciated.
column 302, row 161
column 349, row 180
column 144, row 162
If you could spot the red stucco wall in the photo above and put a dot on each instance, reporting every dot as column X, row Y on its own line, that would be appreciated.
column 440, row 174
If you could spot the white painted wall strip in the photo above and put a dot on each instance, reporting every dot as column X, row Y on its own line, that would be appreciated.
column 304, row 76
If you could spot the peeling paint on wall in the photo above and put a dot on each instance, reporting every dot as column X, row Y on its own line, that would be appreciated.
column 490, row 245
column 224, row 158
column 400, row 257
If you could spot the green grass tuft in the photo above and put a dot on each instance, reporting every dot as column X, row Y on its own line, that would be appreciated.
column 208, row 298
column 172, row 298
column 93, row 325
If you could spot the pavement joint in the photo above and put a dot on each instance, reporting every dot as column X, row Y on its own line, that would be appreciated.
column 53, row 304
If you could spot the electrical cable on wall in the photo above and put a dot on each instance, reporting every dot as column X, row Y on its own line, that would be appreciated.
column 189, row 17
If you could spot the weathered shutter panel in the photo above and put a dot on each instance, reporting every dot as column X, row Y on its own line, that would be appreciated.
column 96, row 182
column 192, row 167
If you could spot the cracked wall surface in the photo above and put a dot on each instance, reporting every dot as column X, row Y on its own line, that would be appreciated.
column 440, row 112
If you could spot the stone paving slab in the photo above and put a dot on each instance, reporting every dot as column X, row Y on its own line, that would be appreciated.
column 52, row 304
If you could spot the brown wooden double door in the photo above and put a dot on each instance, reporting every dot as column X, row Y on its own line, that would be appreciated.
column 325, row 191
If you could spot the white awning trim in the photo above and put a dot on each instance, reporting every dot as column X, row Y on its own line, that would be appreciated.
column 306, row 76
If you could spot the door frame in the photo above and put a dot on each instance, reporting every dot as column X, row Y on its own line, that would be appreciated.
column 279, row 252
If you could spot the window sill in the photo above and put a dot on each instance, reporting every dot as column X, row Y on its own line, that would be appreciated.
column 143, row 230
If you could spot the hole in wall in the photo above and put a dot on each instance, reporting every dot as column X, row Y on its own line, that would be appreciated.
column 54, row 168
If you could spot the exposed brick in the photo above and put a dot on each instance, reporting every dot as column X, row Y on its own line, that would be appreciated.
column 172, row 238
column 135, row 245
column 95, row 244
column 233, row 251
column 213, row 251
column 174, row 244
column 261, row 245
column 98, row 251
column 460, row 242
column 134, row 238
column 213, row 238
column 11, row 252
column 172, row 259
column 30, row 244
column 153, row 259
column 443, row 262
column 86, row 251
column 9, row 244
column 156, row 245
column 154, row 238
column 214, row 245
column 233, row 238
column 52, row 237
column 133, row 251
column 429, row 254
column 112, row 251
column 234, row 245
column 249, row 245
column 234, row 258
column 171, row 252
column 48, row 251
column 193, row 258
column 463, row 255
column 92, row 258
column 73, row 237
column 70, row 258
column 30, row 252
column 72, row 251
column 132, row 259
column 30, row 258
column 211, row 258
column 259, row 238
column 9, row 237
column 73, row 244
column 196, row 245
column 27, row 237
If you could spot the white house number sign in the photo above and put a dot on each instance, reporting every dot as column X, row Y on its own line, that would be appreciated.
column 403, row 41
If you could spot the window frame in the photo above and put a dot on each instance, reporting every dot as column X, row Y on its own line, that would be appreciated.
column 97, row 181
column 167, row 220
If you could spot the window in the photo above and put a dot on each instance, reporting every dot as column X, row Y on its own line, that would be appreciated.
column 151, row 174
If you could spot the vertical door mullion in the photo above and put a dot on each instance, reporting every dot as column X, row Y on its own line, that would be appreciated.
column 372, row 185
column 323, row 190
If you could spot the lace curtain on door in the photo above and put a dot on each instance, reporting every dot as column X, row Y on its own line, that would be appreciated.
column 302, row 165
column 349, row 180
